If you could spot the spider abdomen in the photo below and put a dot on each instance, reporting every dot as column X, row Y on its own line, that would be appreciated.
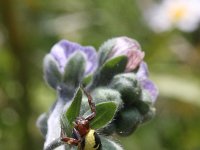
column 91, row 141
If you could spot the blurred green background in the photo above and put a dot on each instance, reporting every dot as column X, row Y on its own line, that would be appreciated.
column 29, row 28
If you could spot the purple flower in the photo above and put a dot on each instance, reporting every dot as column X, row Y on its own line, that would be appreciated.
column 148, row 85
column 129, row 47
column 64, row 49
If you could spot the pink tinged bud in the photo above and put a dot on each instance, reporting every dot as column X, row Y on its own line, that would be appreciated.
column 134, row 59
column 129, row 47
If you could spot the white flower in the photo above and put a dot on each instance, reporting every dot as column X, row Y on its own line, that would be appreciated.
column 181, row 14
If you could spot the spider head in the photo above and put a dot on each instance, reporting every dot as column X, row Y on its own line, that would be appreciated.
column 82, row 126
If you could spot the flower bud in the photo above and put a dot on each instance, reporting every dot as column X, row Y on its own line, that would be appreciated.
column 129, row 87
column 127, row 121
column 123, row 46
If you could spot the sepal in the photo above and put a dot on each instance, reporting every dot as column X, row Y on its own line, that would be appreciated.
column 74, row 69
column 52, row 74
column 104, row 50
column 109, row 69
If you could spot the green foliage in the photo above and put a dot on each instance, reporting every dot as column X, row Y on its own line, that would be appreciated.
column 74, row 109
column 103, row 114
column 116, row 64
column 87, row 80
column 102, row 118
column 72, row 112
column 100, row 95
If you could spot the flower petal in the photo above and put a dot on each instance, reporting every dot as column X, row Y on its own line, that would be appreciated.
column 143, row 71
column 150, row 87
column 142, row 75
column 58, row 54
column 91, row 56
column 64, row 49
column 131, row 48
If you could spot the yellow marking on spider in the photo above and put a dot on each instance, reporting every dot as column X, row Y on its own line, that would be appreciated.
column 90, row 141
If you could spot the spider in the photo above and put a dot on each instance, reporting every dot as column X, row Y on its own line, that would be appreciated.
column 83, row 136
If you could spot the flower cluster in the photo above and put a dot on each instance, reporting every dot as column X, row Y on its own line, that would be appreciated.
column 115, row 76
column 181, row 14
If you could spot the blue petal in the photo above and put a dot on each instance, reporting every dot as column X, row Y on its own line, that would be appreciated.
column 148, row 85
column 143, row 71
column 151, row 88
column 64, row 49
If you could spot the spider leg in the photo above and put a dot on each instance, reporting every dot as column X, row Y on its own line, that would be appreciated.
column 91, row 104
column 68, row 140
column 76, row 133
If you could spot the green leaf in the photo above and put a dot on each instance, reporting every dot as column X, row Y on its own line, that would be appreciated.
column 74, row 69
column 87, row 80
column 65, row 124
column 112, row 67
column 74, row 108
column 51, row 71
column 105, row 113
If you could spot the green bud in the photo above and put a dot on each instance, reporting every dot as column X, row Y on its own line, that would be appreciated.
column 128, row 86
column 146, row 98
column 106, row 94
column 142, row 107
column 127, row 121
column 109, row 129
column 151, row 113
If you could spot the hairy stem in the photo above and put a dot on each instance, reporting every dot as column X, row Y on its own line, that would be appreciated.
column 54, row 144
